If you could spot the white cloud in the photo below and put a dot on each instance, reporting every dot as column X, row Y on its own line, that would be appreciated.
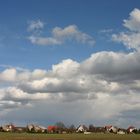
column 104, row 87
column 130, row 38
column 14, row 75
column 106, row 31
column 133, row 22
column 98, row 85
column 35, row 25
column 63, row 35
column 72, row 32
column 66, row 68
column 44, row 41
column 38, row 73
column 8, row 75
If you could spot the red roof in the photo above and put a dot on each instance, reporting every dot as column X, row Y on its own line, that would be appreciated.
column 51, row 128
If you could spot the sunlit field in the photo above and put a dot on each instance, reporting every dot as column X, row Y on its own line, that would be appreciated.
column 28, row 136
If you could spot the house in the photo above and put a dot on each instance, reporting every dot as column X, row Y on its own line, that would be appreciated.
column 81, row 129
column 30, row 127
column 108, row 127
column 39, row 128
column 111, row 129
column 8, row 128
column 36, row 128
column 131, row 130
column 52, row 129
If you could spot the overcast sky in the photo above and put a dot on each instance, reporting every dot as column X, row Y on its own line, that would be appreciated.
column 75, row 61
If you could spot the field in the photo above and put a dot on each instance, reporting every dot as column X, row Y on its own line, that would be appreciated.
column 26, row 136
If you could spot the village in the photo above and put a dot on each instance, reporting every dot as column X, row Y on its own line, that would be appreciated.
column 60, row 128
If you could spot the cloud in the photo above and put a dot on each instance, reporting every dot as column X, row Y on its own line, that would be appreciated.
column 103, row 88
column 13, row 75
column 130, row 38
column 63, row 35
column 43, row 41
column 96, row 86
column 72, row 32
column 35, row 26
column 106, row 31
column 8, row 75
column 114, row 64
column 66, row 68
column 133, row 22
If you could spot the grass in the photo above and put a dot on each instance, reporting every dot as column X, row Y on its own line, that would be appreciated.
column 27, row 136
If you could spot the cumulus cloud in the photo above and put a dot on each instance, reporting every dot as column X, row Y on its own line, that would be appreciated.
column 8, row 75
column 101, row 82
column 62, row 35
column 133, row 22
column 119, row 64
column 104, row 87
column 130, row 38
column 13, row 75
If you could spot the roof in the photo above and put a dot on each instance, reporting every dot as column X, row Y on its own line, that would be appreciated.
column 51, row 127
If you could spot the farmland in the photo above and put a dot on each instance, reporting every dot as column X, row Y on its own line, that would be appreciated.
column 29, row 136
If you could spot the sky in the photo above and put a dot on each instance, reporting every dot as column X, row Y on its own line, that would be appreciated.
column 73, row 61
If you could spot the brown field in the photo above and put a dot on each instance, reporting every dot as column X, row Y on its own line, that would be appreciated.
column 27, row 136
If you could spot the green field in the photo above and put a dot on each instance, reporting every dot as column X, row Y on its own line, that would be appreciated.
column 26, row 136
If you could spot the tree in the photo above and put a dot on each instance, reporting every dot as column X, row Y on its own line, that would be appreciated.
column 71, row 129
column 91, row 128
column 60, row 126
